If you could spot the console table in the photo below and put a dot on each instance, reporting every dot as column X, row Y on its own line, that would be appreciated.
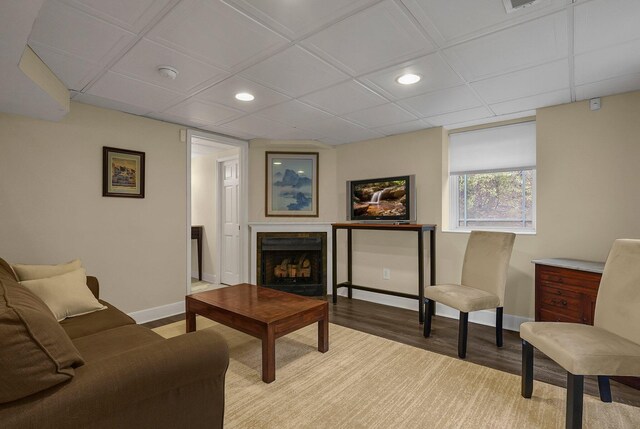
column 196, row 234
column 419, row 228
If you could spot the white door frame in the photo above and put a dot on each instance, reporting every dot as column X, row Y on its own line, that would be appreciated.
column 243, row 203
column 219, row 228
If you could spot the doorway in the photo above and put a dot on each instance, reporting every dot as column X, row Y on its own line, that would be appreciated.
column 216, row 211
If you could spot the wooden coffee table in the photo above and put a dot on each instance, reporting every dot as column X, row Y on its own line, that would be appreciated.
column 263, row 313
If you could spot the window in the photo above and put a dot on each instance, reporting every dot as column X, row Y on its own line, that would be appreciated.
column 493, row 178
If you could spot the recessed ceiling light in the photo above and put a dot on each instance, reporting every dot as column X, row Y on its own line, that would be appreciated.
column 168, row 72
column 408, row 79
column 245, row 96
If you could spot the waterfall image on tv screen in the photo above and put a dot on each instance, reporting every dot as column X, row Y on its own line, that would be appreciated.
column 380, row 199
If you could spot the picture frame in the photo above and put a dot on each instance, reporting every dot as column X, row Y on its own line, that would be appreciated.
column 123, row 173
column 291, row 184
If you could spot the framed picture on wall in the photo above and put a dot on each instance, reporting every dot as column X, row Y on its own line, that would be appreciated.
column 122, row 173
column 292, row 184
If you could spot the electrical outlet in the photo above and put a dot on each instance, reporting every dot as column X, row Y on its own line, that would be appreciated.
column 386, row 274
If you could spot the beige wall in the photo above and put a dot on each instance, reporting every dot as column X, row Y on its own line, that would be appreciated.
column 326, row 176
column 52, row 209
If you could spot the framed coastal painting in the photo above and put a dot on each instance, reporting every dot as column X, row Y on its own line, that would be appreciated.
column 292, row 184
column 122, row 173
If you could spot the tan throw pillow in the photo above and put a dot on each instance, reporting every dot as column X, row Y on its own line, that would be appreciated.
column 35, row 352
column 33, row 272
column 67, row 295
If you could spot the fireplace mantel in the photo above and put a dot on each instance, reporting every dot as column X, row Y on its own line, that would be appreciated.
column 256, row 227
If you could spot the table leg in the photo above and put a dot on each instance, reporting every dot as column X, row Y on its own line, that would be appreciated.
column 199, row 243
column 432, row 265
column 350, row 262
column 420, row 276
column 269, row 355
column 191, row 321
column 334, row 265
column 323, row 332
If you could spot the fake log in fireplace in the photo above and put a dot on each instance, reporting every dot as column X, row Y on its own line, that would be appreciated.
column 293, row 262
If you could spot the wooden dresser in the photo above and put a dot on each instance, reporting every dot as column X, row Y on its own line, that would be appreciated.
column 566, row 290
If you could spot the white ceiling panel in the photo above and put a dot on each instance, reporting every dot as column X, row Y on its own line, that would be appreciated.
column 108, row 103
column 128, row 14
column 443, row 101
column 225, row 91
column 525, row 83
column 296, row 113
column 344, row 98
column 296, row 18
column 72, row 31
column 202, row 112
column 404, row 127
column 614, row 61
column 73, row 71
column 454, row 19
column 526, row 45
column 376, row 37
column 260, row 126
column 143, row 59
column 133, row 92
column 535, row 102
column 601, row 23
column 460, row 116
column 215, row 33
column 237, row 133
column 177, row 119
column 434, row 71
column 340, row 131
column 379, row 116
column 608, row 87
column 294, row 72
column 492, row 119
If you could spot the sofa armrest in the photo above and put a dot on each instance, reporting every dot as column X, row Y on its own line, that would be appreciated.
column 94, row 286
column 178, row 382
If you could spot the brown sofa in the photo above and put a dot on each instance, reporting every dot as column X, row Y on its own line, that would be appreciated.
column 131, row 377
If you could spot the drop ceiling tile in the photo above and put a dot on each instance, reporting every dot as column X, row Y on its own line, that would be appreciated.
column 130, row 15
column 203, row 112
column 460, row 116
column 143, row 59
column 536, row 80
column 611, row 86
column 435, row 72
column 492, row 119
column 602, row 23
column 344, row 98
column 376, row 37
column 342, row 131
column 296, row 18
column 109, row 104
column 74, row 32
column 614, row 61
column 174, row 119
column 73, row 71
column 296, row 114
column 535, row 102
column 535, row 42
column 294, row 72
column 259, row 126
column 443, row 101
column 386, row 114
column 215, row 33
column 450, row 20
column 404, row 127
column 225, row 91
column 222, row 129
column 133, row 92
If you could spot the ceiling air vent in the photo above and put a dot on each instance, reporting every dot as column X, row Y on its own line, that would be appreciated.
column 514, row 5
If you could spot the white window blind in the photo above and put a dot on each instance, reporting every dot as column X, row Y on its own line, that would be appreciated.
column 508, row 147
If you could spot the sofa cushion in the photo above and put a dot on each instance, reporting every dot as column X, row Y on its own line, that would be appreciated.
column 35, row 352
column 96, row 322
column 67, row 295
column 106, row 344
column 33, row 272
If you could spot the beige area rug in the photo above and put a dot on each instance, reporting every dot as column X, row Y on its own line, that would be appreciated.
column 364, row 381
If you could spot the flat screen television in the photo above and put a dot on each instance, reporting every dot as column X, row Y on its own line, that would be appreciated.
column 382, row 200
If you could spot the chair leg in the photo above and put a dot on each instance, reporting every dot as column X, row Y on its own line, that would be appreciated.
column 427, row 319
column 527, row 370
column 462, row 335
column 499, row 312
column 605, row 388
column 575, row 388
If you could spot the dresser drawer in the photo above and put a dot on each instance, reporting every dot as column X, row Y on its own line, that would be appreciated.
column 569, row 306
column 584, row 281
column 554, row 316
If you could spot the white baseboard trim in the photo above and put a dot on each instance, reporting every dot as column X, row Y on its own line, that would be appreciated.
column 210, row 278
column 155, row 313
column 483, row 317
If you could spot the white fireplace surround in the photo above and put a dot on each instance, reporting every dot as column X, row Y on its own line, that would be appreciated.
column 256, row 227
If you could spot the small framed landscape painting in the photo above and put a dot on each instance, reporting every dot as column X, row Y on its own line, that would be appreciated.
column 292, row 184
column 122, row 173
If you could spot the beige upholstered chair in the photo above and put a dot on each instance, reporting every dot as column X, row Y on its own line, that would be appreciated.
column 610, row 347
column 484, row 276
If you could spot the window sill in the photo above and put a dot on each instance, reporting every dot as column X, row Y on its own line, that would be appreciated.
column 467, row 231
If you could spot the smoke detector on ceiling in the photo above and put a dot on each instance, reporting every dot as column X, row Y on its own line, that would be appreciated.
column 168, row 72
column 514, row 5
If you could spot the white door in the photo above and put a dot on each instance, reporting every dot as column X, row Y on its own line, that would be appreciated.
column 230, row 257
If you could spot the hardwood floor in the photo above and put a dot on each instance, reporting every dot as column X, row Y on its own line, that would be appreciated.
column 402, row 326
